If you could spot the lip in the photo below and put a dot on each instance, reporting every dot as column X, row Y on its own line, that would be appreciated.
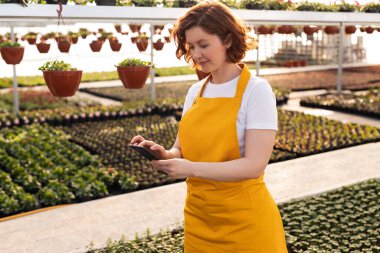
column 202, row 63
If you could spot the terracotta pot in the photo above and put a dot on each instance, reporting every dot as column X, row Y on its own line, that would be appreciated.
column 31, row 41
column 263, row 30
column 350, row 29
column 43, row 48
column 115, row 46
column 285, row 29
column 44, row 38
column 167, row 39
column 96, row 45
column 331, row 29
column 12, row 55
column 142, row 45
column 118, row 28
column 201, row 75
column 133, row 77
column 135, row 28
column 369, row 30
column 309, row 30
column 133, row 39
column 303, row 63
column 159, row 45
column 63, row 83
column 84, row 36
column 296, row 63
column 64, row 46
column 74, row 40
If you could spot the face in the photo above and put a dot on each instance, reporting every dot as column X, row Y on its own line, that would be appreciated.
column 206, row 49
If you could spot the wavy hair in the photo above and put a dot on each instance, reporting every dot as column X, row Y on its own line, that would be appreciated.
column 217, row 19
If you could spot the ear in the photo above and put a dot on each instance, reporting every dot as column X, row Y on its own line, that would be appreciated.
column 228, row 41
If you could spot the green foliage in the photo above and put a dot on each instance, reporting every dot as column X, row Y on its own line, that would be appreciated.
column 133, row 62
column 346, row 7
column 371, row 7
column 56, row 66
column 9, row 44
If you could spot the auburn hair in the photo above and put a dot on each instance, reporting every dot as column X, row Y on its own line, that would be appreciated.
column 217, row 19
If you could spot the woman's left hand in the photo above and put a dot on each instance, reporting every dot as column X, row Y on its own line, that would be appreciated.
column 174, row 168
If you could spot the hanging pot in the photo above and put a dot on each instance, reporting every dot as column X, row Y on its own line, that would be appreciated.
column 201, row 75
column 285, row 29
column 133, row 39
column 74, row 40
column 350, row 29
column 115, row 45
column 12, row 55
column 331, row 29
column 135, row 28
column 263, row 30
column 43, row 48
column 158, row 45
column 309, row 30
column 31, row 41
column 167, row 39
column 118, row 28
column 84, row 36
column 64, row 46
column 142, row 44
column 369, row 30
column 133, row 77
column 62, row 83
column 303, row 63
column 96, row 45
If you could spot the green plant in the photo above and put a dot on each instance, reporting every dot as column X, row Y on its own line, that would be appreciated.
column 9, row 44
column 371, row 7
column 313, row 6
column 279, row 5
column 346, row 7
column 133, row 62
column 56, row 66
column 142, row 3
column 255, row 4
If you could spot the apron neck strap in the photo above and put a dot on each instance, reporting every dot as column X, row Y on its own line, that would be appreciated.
column 245, row 75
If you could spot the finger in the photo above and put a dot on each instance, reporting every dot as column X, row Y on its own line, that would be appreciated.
column 137, row 139
column 157, row 147
column 147, row 143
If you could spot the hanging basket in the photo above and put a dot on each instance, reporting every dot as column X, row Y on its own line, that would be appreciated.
column 134, row 40
column 115, row 46
column 167, row 39
column 142, row 45
column 285, row 29
column 31, row 41
column 74, row 40
column 133, row 77
column 350, row 29
column 135, row 28
column 331, row 29
column 118, row 28
column 201, row 75
column 43, row 48
column 96, row 45
column 64, row 46
column 309, row 30
column 263, row 30
column 369, row 30
column 159, row 45
column 63, row 83
column 12, row 55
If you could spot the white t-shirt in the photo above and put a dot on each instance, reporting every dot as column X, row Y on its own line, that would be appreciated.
column 258, row 107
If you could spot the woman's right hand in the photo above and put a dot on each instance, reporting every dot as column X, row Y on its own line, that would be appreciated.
column 158, row 149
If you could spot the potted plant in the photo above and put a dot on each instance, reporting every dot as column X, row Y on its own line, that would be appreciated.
column 371, row 8
column 263, row 30
column 255, row 5
column 142, row 42
column 61, row 78
column 118, row 28
column 133, row 72
column 64, row 44
column 31, row 37
column 350, row 29
column 143, row 3
column 158, row 45
column 184, row 3
column 12, row 52
column 346, row 7
column 96, row 45
column 369, row 30
column 106, row 2
column 83, row 32
column 43, row 47
column 115, row 45
column 135, row 28
column 309, row 30
column 73, row 37
column 331, row 29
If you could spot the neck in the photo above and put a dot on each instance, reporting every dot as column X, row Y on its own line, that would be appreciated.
column 225, row 73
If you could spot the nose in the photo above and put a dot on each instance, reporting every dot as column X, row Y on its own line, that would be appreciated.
column 196, row 54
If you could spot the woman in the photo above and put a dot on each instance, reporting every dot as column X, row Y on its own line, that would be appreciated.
column 225, row 140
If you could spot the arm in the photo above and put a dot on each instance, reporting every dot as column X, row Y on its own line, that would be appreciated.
column 258, row 149
column 175, row 151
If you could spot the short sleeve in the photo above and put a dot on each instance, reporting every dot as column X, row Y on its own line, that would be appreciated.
column 261, row 107
column 190, row 96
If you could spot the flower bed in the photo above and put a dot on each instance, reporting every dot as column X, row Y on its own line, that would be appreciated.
column 363, row 103
column 35, row 100
column 39, row 167
column 343, row 220
column 304, row 134
column 165, row 91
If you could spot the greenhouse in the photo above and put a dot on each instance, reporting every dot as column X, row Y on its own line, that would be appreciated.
column 80, row 80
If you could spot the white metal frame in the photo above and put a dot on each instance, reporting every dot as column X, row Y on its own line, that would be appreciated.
column 14, row 15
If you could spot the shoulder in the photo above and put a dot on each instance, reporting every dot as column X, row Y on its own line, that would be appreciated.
column 258, row 85
column 193, row 90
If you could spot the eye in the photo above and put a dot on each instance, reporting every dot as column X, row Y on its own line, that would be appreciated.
column 204, row 46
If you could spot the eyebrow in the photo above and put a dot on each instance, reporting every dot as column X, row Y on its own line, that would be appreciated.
column 201, row 40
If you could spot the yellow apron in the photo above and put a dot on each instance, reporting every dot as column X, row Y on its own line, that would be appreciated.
column 233, row 217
